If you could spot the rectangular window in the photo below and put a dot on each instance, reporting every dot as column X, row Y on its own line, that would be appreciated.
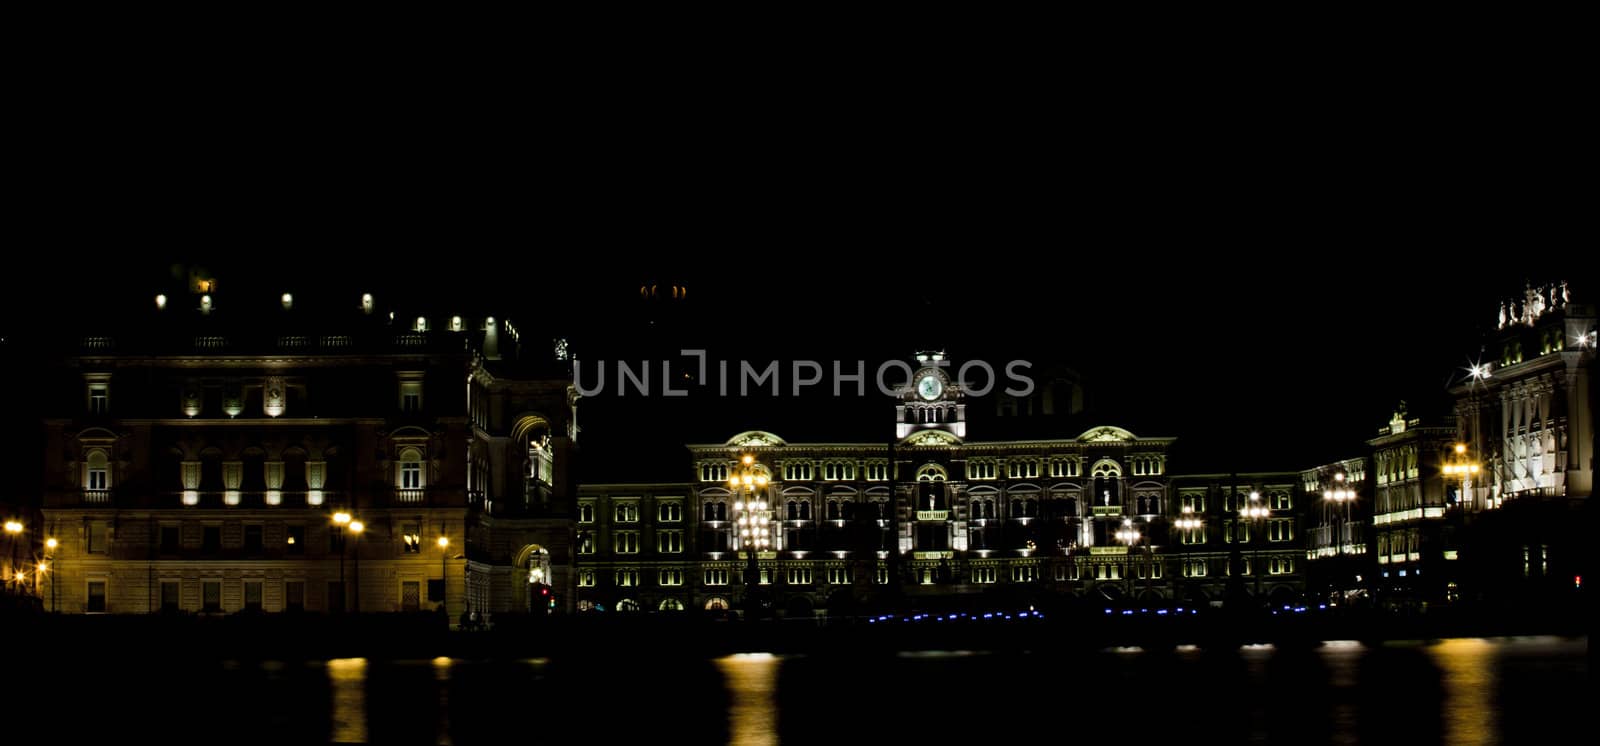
column 799, row 576
column 211, row 595
column 838, row 471
column 1281, row 530
column 97, row 537
column 627, row 512
column 1194, row 535
column 410, row 595
column 294, row 595
column 586, row 578
column 669, row 542
column 411, row 396
column 586, row 512
column 980, row 469
column 99, row 398
column 1022, row 468
column 713, row 472
column 252, row 596
column 797, row 471
column 627, row 578
column 838, row 576
column 669, row 577
column 625, row 542
column 669, row 512
column 411, row 538
column 715, row 577
column 1194, row 503
column 211, row 539
column 585, row 542
column 97, row 596
column 985, row 574
column 1279, row 500
column 295, row 542
column 169, row 540
column 252, row 538
column 1024, row 573
column 1194, row 569
column 880, row 576
column 877, row 471
column 169, row 595
column 411, row 475
column 436, row 590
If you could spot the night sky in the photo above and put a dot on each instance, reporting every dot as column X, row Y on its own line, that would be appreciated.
column 1263, row 272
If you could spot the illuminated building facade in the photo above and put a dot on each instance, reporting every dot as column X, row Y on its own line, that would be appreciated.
column 1525, row 419
column 204, row 459
column 941, row 517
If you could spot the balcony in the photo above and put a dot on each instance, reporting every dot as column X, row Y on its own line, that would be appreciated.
column 1108, row 550
column 933, row 515
column 1107, row 511
column 410, row 496
column 97, row 497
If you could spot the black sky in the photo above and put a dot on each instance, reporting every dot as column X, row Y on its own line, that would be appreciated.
column 1260, row 264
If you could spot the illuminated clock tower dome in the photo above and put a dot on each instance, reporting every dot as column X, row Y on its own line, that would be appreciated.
column 932, row 408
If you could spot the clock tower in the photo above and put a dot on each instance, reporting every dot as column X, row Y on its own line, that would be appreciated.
column 932, row 404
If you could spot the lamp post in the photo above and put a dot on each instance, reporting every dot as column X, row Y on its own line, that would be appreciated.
column 1128, row 534
column 13, row 530
column 1459, row 464
column 1186, row 523
column 1341, row 496
column 754, row 519
column 356, row 527
column 341, row 519
column 1255, row 512
column 50, row 545
column 444, row 576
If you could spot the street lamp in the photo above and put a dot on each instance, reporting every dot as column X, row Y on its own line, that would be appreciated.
column 13, row 530
column 342, row 520
column 754, row 518
column 1255, row 512
column 1187, row 523
column 1459, row 464
column 356, row 527
column 1341, row 495
column 1128, row 534
column 444, row 576
column 50, row 545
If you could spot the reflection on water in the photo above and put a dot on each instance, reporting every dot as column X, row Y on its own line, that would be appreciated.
column 1529, row 690
column 752, row 683
column 348, row 677
column 1467, row 709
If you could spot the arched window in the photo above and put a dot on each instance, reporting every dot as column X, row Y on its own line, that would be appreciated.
column 97, row 475
column 671, row 604
column 805, row 510
column 411, row 469
column 627, row 604
column 931, row 473
column 794, row 511
column 716, row 603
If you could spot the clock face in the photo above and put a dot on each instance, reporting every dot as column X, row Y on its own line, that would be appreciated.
column 929, row 387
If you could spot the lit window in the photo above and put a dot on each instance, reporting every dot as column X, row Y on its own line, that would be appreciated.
column 880, row 575
column 669, row 542
column 669, row 577
column 99, row 398
column 410, row 469
column 411, row 396
column 838, row 576
column 976, row 469
column 799, row 576
column 586, row 578
column 585, row 542
column 1022, row 468
column 586, row 512
column 877, row 471
column 627, row 512
column 1024, row 573
column 669, row 512
column 710, row 472
column 97, row 475
column 797, row 471
column 625, row 542
column 715, row 577
column 984, row 574
column 839, row 471
column 626, row 578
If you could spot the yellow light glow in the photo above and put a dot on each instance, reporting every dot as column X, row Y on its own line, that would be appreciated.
column 51, row 543
column 13, row 527
column 161, row 302
column 1338, row 477
column 749, row 480
column 748, row 460
column 444, row 541
column 357, row 526
column 291, row 540
column 44, row 566
column 734, row 480
column 761, row 480
column 1473, row 468
column 341, row 518
column 20, row 576
column 1461, row 448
